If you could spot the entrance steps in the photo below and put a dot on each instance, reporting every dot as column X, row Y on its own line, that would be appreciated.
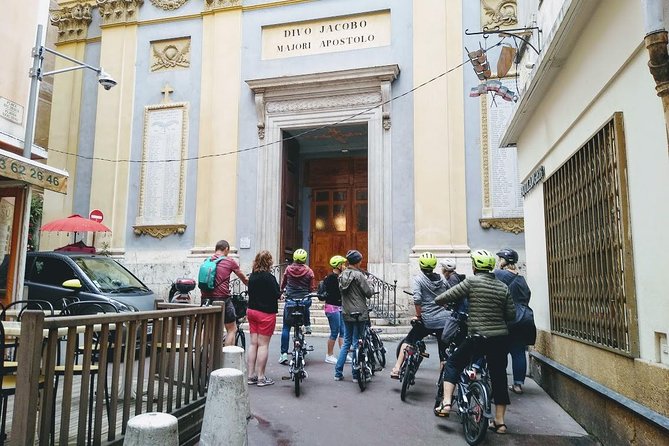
column 321, row 328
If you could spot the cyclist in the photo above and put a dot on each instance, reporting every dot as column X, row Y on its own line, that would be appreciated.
column 520, row 292
column 490, row 308
column 355, row 291
column 426, row 286
column 448, row 270
column 332, row 300
column 298, row 281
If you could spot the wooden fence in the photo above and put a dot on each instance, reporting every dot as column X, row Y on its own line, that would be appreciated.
column 129, row 363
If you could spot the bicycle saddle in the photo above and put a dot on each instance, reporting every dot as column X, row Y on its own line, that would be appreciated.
column 355, row 314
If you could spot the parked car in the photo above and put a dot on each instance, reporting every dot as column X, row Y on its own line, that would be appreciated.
column 52, row 276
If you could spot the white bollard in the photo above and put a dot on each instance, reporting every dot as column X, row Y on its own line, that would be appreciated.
column 234, row 358
column 224, row 421
column 152, row 428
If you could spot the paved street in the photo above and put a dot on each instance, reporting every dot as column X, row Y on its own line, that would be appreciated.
column 337, row 413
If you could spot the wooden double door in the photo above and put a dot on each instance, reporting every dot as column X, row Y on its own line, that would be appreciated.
column 339, row 211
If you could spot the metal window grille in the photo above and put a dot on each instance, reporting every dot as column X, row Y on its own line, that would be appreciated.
column 589, row 246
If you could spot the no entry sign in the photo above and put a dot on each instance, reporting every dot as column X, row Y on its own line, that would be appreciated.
column 96, row 215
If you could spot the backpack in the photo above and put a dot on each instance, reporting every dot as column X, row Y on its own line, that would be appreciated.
column 206, row 278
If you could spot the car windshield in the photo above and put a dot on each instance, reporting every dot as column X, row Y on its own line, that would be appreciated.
column 109, row 276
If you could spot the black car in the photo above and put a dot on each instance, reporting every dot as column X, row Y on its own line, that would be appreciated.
column 52, row 276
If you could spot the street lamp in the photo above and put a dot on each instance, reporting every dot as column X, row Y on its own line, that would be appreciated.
column 36, row 75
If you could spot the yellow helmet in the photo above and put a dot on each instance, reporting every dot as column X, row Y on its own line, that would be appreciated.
column 427, row 260
column 300, row 256
column 483, row 260
column 337, row 261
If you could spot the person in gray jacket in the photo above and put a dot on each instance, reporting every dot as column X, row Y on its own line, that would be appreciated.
column 490, row 309
column 355, row 291
column 431, row 317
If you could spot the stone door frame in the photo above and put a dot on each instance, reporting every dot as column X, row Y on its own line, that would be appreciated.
column 356, row 96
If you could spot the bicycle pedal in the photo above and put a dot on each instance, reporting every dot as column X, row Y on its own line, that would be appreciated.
column 425, row 354
column 310, row 348
column 285, row 378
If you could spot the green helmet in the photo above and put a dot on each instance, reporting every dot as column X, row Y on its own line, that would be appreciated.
column 483, row 260
column 300, row 256
column 427, row 260
column 337, row 261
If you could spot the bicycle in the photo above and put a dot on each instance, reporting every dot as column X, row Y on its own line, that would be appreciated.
column 378, row 351
column 413, row 356
column 297, row 365
column 240, row 302
column 363, row 358
column 471, row 397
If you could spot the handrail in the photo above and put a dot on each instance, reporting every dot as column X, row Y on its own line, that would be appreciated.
column 384, row 304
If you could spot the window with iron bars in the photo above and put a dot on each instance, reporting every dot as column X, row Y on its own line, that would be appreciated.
column 589, row 246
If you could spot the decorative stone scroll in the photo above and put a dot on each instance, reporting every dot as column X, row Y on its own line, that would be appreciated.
column 72, row 21
column 163, row 174
column 168, row 5
column 170, row 54
column 499, row 13
column 515, row 225
column 118, row 11
column 210, row 5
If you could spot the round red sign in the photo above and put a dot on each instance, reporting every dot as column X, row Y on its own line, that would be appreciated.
column 96, row 215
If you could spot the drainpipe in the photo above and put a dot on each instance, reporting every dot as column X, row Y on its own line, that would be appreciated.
column 656, row 43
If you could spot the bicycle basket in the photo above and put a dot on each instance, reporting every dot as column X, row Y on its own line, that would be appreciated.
column 294, row 314
column 240, row 304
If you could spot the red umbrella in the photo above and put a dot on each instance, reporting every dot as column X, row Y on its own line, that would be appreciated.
column 75, row 223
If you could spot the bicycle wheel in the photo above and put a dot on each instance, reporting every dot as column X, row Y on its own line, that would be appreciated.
column 399, row 346
column 439, row 397
column 406, row 381
column 297, row 366
column 240, row 339
column 371, row 358
column 474, row 422
column 379, row 351
column 362, row 365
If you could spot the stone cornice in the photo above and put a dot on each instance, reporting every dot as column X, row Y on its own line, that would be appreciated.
column 72, row 21
column 210, row 5
column 515, row 225
column 118, row 11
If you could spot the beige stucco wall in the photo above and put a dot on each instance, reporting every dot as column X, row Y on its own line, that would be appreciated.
column 606, row 72
column 438, row 149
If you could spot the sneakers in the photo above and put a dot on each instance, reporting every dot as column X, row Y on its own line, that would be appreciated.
column 266, row 381
column 307, row 329
column 283, row 359
column 252, row 380
column 338, row 378
column 330, row 359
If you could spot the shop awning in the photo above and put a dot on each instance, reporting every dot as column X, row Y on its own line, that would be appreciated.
column 23, row 169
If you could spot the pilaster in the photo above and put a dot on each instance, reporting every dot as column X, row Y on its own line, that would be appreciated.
column 439, row 146
column 72, row 21
column 118, row 11
column 219, row 124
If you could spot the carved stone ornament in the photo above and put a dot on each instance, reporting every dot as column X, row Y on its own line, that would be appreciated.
column 168, row 5
column 118, row 11
column 210, row 5
column 515, row 225
column 170, row 54
column 499, row 13
column 159, row 231
column 72, row 21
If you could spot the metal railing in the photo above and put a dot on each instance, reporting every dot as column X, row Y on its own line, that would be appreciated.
column 384, row 304
column 237, row 286
column 144, row 361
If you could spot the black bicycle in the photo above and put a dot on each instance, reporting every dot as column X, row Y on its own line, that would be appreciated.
column 363, row 357
column 413, row 356
column 241, row 303
column 471, row 398
column 375, row 344
column 296, row 317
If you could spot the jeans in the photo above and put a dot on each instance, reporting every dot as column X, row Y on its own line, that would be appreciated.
column 285, row 331
column 352, row 331
column 336, row 322
column 518, row 362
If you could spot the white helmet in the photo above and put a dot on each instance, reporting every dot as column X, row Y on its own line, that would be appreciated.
column 448, row 265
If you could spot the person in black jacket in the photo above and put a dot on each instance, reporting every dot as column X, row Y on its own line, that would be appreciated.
column 332, row 308
column 520, row 293
column 264, row 294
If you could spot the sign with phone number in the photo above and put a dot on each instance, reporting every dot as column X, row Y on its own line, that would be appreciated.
column 29, row 173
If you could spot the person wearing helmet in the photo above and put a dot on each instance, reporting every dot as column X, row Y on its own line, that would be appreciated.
column 355, row 291
column 490, row 309
column 520, row 293
column 426, row 286
column 332, row 298
column 448, row 270
column 298, row 281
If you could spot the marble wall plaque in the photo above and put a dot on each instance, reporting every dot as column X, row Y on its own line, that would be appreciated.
column 163, row 167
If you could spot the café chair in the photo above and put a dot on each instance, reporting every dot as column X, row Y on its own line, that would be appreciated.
column 14, row 310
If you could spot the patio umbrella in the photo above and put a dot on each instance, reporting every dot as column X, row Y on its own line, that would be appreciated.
column 75, row 223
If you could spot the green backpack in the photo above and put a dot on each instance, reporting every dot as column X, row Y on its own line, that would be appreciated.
column 206, row 278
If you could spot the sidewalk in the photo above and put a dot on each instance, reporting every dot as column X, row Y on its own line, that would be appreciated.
column 337, row 413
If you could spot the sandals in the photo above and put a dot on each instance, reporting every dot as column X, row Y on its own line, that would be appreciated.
column 497, row 428
column 517, row 389
column 443, row 410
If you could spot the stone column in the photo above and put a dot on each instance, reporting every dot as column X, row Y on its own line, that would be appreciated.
column 224, row 420
column 152, row 428
column 234, row 358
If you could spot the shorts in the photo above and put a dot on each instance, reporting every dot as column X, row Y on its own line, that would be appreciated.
column 260, row 322
column 419, row 331
column 230, row 315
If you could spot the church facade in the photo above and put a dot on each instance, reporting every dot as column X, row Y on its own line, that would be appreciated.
column 325, row 125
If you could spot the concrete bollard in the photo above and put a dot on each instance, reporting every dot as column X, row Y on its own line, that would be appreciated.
column 224, row 420
column 234, row 358
column 152, row 428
